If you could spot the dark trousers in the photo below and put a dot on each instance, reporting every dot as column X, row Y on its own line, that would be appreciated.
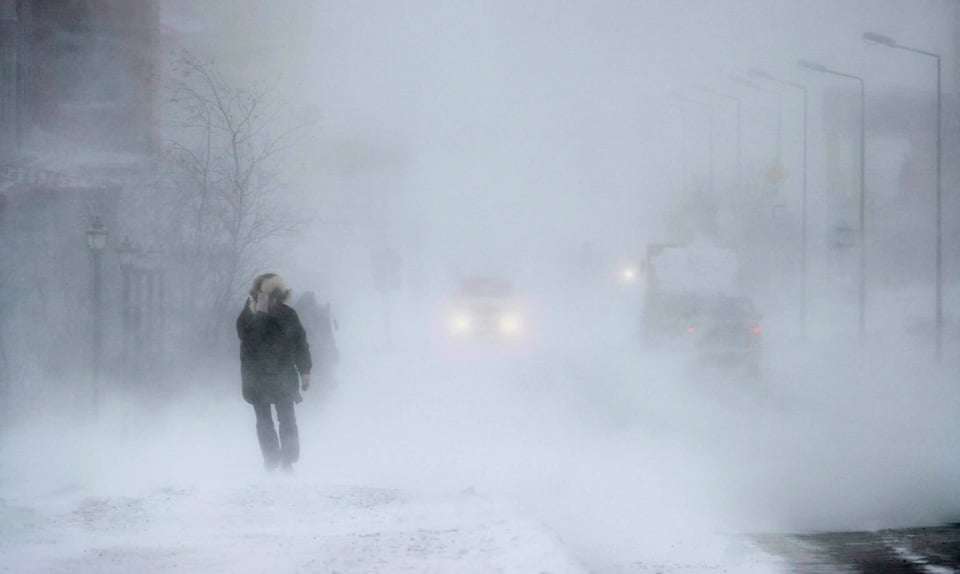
column 285, row 449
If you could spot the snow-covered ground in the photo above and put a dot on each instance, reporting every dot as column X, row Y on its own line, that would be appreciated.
column 569, row 458
column 288, row 524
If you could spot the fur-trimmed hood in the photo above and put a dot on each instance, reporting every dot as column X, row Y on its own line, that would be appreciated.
column 267, row 289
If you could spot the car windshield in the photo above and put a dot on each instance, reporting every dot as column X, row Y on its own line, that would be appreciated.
column 679, row 306
column 485, row 287
column 727, row 309
column 694, row 307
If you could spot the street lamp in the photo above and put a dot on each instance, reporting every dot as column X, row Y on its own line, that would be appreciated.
column 127, row 254
column 96, row 242
column 762, row 75
column 97, row 236
column 880, row 40
column 815, row 67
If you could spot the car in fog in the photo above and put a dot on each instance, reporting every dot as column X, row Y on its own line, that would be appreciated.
column 720, row 330
column 485, row 308
column 727, row 332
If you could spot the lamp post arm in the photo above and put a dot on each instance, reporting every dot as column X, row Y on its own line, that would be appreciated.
column 916, row 51
column 844, row 74
column 797, row 85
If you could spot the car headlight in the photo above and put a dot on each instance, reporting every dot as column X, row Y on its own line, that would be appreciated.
column 461, row 323
column 510, row 324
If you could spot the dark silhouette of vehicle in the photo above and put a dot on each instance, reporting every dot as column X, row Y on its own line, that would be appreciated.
column 721, row 330
column 485, row 308
column 726, row 332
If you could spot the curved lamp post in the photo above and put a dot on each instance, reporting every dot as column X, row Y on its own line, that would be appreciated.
column 815, row 67
column 880, row 40
column 96, row 242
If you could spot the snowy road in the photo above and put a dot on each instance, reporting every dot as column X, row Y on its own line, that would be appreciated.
column 933, row 550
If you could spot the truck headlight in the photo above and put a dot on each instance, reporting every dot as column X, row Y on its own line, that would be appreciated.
column 628, row 274
column 510, row 324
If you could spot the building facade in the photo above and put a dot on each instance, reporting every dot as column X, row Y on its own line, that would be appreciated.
column 78, row 93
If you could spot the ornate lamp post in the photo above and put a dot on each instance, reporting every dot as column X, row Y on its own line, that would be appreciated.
column 127, row 253
column 96, row 242
column 151, row 259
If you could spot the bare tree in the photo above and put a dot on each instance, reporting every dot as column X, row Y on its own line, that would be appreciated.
column 222, row 168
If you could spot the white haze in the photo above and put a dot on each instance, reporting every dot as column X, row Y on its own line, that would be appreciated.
column 500, row 137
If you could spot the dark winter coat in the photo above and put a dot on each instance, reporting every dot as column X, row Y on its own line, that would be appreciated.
column 273, row 354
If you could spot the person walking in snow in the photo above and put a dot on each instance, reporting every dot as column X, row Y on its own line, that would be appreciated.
column 275, row 365
column 319, row 323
